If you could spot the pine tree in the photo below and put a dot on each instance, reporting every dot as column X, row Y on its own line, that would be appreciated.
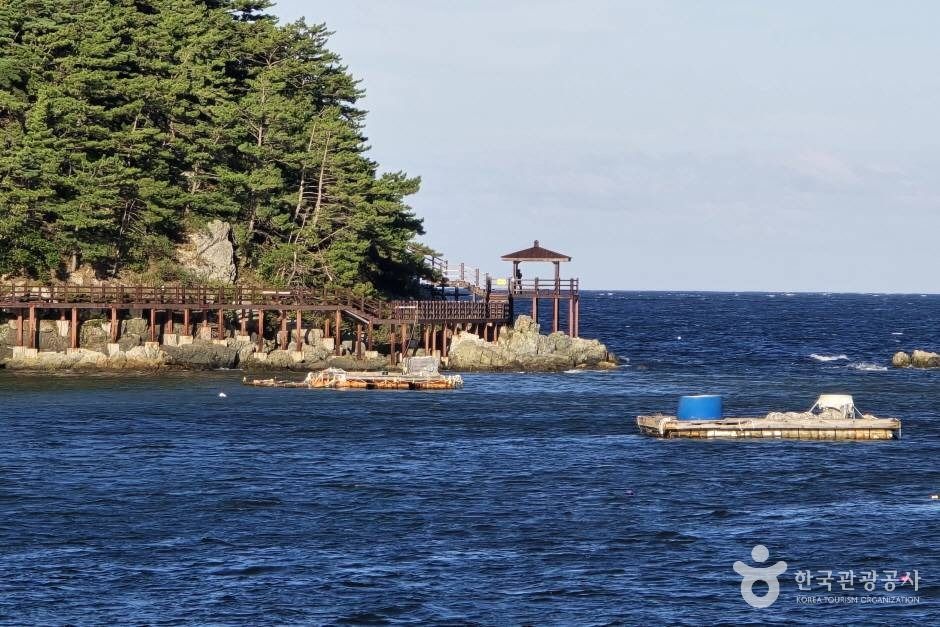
column 125, row 124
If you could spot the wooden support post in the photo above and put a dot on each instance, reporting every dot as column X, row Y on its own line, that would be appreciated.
column 555, row 313
column 404, row 340
column 73, row 328
column 186, row 330
column 392, row 348
column 32, row 327
column 326, row 326
column 337, row 335
column 571, row 316
column 61, row 314
column 260, row 330
column 244, row 326
column 433, row 338
column 115, row 326
column 535, row 308
column 283, row 333
column 299, row 339
column 427, row 340
column 153, row 324
column 358, row 341
column 369, row 341
column 444, row 340
column 221, row 323
column 577, row 316
column 19, row 327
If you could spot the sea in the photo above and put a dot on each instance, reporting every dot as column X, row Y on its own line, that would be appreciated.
column 521, row 499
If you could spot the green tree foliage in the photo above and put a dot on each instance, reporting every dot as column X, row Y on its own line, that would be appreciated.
column 125, row 123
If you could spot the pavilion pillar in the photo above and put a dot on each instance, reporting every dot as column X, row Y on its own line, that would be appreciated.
column 283, row 330
column 433, row 338
column 19, row 327
column 571, row 317
column 369, row 338
column 221, row 324
column 577, row 316
column 404, row 340
column 535, row 301
column 261, row 330
column 555, row 313
column 73, row 328
column 299, row 346
column 444, row 340
column 114, row 325
column 186, row 330
column 337, row 335
column 153, row 324
column 427, row 339
column 32, row 327
column 244, row 323
column 358, row 341
column 392, row 348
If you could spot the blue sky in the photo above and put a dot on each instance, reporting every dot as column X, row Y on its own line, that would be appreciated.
column 728, row 145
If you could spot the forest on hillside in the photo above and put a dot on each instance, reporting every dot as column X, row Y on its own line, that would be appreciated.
column 126, row 124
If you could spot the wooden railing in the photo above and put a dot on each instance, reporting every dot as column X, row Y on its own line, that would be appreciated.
column 198, row 296
column 418, row 310
column 142, row 296
column 544, row 287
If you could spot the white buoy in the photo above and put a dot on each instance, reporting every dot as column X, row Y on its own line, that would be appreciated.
column 223, row 395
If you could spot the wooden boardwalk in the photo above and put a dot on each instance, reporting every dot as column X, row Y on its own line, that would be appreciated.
column 179, row 307
column 481, row 304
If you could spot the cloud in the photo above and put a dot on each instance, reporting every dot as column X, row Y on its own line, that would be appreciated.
column 827, row 169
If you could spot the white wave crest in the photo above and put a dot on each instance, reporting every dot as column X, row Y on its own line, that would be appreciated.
column 866, row 366
column 838, row 357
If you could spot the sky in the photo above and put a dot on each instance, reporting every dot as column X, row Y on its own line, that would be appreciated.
column 663, row 144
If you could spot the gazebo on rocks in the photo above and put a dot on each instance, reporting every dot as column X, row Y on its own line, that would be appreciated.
column 556, row 289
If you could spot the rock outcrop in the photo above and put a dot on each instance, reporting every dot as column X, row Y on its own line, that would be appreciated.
column 520, row 347
column 917, row 359
column 523, row 347
column 210, row 253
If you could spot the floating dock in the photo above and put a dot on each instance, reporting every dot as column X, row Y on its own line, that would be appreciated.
column 797, row 426
column 334, row 378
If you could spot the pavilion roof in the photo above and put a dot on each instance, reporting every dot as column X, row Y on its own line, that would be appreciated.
column 535, row 253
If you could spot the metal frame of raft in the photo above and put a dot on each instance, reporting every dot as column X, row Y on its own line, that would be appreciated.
column 818, row 428
column 336, row 378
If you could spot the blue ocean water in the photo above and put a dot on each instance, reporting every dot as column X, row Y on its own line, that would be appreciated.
column 519, row 499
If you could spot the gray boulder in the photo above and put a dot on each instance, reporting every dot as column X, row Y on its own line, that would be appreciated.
column 210, row 253
column 901, row 360
column 202, row 356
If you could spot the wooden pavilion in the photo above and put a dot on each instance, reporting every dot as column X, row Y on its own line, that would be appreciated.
column 554, row 289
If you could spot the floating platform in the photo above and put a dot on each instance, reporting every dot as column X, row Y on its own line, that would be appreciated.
column 832, row 417
column 335, row 378
column 778, row 426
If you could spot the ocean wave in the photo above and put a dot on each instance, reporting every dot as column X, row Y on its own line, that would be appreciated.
column 867, row 366
column 838, row 357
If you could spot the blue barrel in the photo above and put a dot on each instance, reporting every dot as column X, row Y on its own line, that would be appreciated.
column 700, row 407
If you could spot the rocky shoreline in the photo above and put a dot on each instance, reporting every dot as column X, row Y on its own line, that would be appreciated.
column 519, row 348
